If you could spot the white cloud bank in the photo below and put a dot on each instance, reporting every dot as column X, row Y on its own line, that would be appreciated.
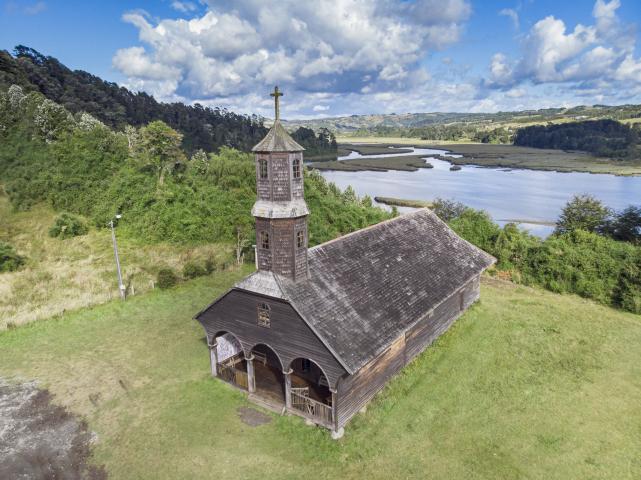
column 335, row 57
column 599, row 55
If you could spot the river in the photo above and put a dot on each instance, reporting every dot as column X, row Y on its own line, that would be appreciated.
column 506, row 194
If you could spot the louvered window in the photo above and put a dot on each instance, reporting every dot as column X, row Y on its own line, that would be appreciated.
column 263, row 315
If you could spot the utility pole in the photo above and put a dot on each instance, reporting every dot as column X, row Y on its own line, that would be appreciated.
column 121, row 287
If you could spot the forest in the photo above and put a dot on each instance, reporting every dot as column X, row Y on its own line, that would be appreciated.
column 77, row 164
column 603, row 138
column 203, row 128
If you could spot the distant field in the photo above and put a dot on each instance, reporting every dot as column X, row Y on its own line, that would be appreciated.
column 488, row 155
column 527, row 384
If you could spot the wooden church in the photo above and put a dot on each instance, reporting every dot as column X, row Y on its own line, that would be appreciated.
column 319, row 331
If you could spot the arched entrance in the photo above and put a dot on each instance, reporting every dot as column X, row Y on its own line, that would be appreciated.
column 228, row 354
column 268, row 374
column 310, row 392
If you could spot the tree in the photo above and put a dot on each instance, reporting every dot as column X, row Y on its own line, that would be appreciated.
column 447, row 210
column 627, row 225
column 162, row 147
column 583, row 212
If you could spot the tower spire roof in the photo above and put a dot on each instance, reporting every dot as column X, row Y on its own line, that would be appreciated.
column 277, row 139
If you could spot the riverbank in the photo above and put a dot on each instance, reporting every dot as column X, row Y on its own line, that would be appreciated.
column 401, row 202
column 487, row 155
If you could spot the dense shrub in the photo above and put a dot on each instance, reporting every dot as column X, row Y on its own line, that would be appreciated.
column 9, row 259
column 67, row 226
column 192, row 270
column 166, row 278
column 92, row 171
column 585, row 263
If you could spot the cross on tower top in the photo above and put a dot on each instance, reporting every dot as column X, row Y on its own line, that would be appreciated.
column 276, row 93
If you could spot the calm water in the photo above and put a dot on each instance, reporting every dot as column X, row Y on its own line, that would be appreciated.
column 506, row 194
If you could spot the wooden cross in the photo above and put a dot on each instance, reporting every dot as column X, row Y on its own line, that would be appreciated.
column 276, row 94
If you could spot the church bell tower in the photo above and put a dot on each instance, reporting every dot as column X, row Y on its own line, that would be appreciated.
column 280, row 209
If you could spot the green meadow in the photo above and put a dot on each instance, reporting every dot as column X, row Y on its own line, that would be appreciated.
column 527, row 384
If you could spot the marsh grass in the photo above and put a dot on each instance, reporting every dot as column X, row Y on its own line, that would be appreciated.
column 62, row 275
column 527, row 384
column 487, row 155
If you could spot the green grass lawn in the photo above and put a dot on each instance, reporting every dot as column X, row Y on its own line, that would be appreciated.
column 527, row 384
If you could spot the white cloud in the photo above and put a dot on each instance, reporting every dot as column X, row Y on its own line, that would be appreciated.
column 512, row 14
column 35, row 9
column 184, row 7
column 598, row 55
column 237, row 48
column 320, row 108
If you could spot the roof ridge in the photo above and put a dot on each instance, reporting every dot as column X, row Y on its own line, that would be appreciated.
column 371, row 227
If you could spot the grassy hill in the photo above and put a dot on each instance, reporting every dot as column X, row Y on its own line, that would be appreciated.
column 527, row 384
column 393, row 124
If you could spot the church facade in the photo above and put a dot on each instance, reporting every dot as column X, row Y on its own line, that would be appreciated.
column 317, row 332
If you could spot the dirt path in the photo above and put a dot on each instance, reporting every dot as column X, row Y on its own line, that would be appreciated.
column 40, row 440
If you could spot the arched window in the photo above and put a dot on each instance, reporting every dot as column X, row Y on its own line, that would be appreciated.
column 296, row 167
column 263, row 315
column 262, row 167
column 300, row 239
column 264, row 240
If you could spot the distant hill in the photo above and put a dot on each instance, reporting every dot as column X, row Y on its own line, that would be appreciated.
column 455, row 126
column 203, row 127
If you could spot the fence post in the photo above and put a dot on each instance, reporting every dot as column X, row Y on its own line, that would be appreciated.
column 251, row 379
column 213, row 358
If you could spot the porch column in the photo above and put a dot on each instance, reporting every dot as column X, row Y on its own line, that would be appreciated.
column 288, row 388
column 336, row 432
column 213, row 357
column 251, row 377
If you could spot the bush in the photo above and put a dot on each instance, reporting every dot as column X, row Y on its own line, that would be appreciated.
column 9, row 259
column 67, row 226
column 193, row 270
column 166, row 278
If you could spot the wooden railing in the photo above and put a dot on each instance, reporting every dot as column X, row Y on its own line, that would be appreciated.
column 227, row 371
column 311, row 408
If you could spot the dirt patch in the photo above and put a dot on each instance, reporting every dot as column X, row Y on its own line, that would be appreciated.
column 40, row 440
column 252, row 417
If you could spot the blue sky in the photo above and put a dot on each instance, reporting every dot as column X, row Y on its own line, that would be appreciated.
column 337, row 57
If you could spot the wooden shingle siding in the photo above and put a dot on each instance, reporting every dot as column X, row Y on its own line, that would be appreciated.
column 429, row 329
column 355, row 391
column 280, row 172
column 289, row 336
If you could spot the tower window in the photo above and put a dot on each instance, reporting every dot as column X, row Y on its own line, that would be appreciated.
column 264, row 240
column 296, row 167
column 262, row 167
column 300, row 239
column 263, row 315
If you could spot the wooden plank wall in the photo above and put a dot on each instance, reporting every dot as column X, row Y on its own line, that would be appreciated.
column 289, row 336
column 355, row 391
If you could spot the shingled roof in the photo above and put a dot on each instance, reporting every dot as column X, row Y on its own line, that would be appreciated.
column 277, row 140
column 366, row 288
